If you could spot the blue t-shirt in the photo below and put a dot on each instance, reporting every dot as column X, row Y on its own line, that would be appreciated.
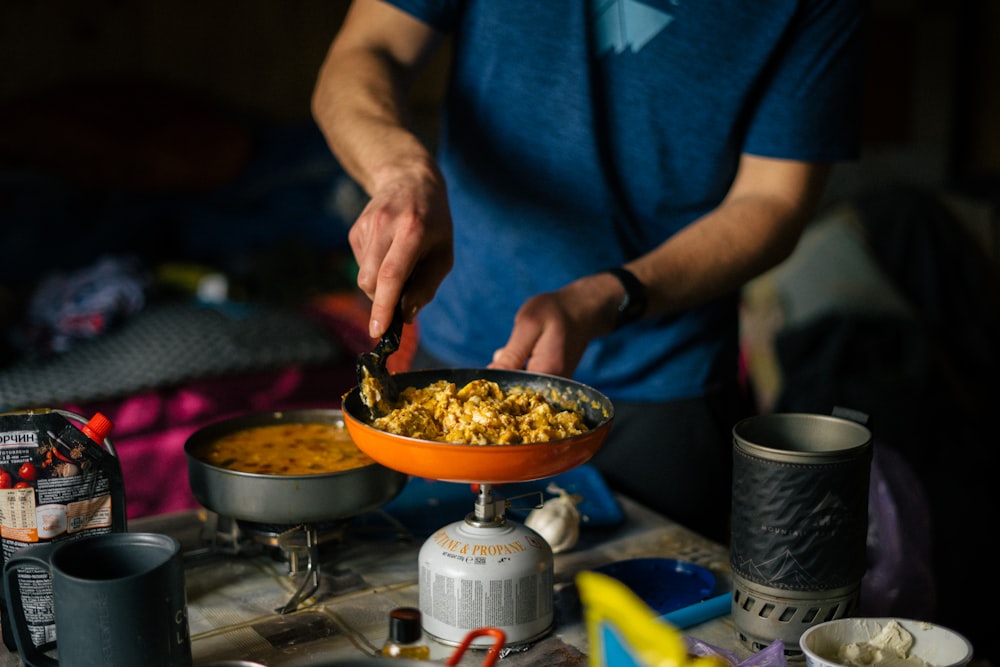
column 578, row 135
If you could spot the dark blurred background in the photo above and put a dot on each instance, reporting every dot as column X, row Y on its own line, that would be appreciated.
column 179, row 132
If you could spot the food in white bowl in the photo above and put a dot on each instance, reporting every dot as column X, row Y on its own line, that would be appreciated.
column 883, row 642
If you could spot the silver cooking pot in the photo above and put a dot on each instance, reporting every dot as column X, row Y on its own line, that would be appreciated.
column 286, row 499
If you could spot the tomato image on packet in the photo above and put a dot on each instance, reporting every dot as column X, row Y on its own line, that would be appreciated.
column 28, row 472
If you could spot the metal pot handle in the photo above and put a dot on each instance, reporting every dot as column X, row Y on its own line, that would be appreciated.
column 492, row 655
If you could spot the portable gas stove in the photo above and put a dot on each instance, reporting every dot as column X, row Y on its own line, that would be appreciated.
column 311, row 551
column 298, row 518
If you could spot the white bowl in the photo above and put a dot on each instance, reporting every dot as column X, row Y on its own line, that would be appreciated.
column 933, row 644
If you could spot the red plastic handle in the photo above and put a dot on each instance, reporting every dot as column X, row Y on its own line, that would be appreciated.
column 491, row 656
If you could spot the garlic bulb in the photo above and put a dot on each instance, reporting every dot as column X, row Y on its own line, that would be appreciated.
column 557, row 521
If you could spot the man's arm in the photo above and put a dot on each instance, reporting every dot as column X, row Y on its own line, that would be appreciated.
column 756, row 226
column 360, row 104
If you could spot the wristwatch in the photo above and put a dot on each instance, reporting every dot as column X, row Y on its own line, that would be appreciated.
column 633, row 305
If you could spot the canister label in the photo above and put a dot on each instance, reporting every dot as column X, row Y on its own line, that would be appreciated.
column 500, row 578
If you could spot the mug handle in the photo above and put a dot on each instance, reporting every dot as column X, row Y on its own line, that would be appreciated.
column 38, row 556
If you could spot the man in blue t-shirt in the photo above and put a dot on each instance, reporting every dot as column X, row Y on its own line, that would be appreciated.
column 609, row 174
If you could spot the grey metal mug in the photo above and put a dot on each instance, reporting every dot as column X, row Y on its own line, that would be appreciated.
column 118, row 598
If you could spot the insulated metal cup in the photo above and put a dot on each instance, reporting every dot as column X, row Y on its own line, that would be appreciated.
column 119, row 599
column 799, row 524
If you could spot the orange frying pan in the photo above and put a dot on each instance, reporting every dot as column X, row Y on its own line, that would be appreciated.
column 486, row 464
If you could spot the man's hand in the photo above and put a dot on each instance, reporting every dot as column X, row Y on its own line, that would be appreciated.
column 552, row 330
column 403, row 237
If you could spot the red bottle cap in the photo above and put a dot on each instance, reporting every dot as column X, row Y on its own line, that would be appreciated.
column 97, row 428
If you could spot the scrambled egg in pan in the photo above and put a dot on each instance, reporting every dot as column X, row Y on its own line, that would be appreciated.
column 480, row 413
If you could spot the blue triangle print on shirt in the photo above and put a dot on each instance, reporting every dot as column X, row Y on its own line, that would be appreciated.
column 626, row 24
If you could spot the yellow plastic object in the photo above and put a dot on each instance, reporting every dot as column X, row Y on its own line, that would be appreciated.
column 623, row 631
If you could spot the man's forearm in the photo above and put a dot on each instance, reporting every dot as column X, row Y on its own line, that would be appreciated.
column 752, row 231
column 359, row 104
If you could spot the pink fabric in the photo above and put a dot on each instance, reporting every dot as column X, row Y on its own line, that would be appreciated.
column 150, row 429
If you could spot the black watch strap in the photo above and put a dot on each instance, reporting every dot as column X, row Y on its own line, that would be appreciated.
column 633, row 305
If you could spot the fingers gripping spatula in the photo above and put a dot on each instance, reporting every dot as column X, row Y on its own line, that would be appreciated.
column 376, row 386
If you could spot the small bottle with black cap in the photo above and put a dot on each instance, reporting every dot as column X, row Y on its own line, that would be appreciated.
column 406, row 635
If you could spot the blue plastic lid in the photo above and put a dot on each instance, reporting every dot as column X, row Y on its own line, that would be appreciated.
column 664, row 584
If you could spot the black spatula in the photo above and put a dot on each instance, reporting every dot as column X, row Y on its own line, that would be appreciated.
column 375, row 384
